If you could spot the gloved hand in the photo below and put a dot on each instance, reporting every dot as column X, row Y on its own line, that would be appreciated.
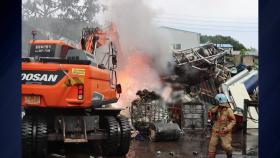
column 223, row 131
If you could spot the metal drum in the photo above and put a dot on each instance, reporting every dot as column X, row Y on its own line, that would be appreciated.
column 161, row 131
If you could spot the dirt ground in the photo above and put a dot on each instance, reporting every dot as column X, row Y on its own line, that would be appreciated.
column 191, row 145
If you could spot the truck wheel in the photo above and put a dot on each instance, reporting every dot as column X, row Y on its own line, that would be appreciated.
column 110, row 145
column 26, row 136
column 125, row 136
column 34, row 137
column 41, row 138
column 152, row 133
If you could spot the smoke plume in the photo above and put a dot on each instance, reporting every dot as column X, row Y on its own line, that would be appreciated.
column 134, row 20
column 145, row 51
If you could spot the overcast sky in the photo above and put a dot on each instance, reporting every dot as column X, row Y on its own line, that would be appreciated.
column 236, row 18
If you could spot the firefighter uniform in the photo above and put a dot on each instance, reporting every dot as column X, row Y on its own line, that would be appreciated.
column 221, row 131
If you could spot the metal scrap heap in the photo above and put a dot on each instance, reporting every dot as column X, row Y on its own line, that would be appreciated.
column 200, row 57
column 148, row 108
column 149, row 115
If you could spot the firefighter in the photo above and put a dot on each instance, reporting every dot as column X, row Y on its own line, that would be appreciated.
column 223, row 124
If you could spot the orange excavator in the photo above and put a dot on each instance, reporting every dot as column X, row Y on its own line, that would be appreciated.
column 66, row 93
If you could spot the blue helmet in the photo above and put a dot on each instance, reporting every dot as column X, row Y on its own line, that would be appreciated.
column 221, row 98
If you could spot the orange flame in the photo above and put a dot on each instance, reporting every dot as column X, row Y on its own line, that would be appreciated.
column 136, row 72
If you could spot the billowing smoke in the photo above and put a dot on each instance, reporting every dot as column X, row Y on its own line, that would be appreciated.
column 134, row 20
column 145, row 51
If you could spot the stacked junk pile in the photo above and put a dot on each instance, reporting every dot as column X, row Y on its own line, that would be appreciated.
column 198, row 75
column 149, row 115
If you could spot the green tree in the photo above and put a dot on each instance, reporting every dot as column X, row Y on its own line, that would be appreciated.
column 40, row 8
column 219, row 39
column 80, row 10
column 243, row 52
column 61, row 17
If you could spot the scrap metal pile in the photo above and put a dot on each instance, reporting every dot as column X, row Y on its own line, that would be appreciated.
column 192, row 67
column 202, row 69
column 149, row 115
column 200, row 57
column 148, row 108
column 198, row 75
column 210, row 73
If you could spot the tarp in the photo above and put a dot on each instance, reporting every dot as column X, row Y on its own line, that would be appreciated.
column 251, row 83
column 239, row 93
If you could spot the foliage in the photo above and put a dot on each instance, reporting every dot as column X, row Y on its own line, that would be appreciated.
column 243, row 52
column 61, row 17
column 79, row 10
column 219, row 39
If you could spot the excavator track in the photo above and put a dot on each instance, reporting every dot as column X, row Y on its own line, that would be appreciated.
column 34, row 137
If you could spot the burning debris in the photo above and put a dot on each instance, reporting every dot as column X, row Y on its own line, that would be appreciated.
column 146, row 95
column 149, row 115
column 199, row 74
column 148, row 108
column 134, row 72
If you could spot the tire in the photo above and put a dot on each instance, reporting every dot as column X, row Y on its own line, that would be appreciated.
column 152, row 134
column 125, row 135
column 110, row 145
column 26, row 136
column 34, row 137
column 41, row 149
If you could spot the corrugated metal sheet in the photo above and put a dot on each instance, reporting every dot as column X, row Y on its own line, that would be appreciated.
column 193, row 116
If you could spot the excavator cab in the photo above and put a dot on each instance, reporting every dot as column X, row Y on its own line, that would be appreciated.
column 48, row 49
column 58, row 51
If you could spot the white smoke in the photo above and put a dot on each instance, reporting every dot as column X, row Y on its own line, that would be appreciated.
column 134, row 21
column 145, row 50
